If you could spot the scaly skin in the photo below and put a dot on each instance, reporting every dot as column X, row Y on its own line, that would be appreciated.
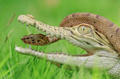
column 38, row 39
column 101, row 24
column 83, row 35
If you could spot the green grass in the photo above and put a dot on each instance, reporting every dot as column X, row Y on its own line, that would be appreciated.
column 17, row 66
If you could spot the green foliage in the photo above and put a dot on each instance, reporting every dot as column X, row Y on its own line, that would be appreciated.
column 17, row 66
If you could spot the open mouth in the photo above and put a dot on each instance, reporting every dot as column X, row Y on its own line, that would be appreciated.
column 95, row 43
column 82, row 35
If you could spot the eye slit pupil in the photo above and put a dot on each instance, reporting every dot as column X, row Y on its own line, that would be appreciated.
column 83, row 28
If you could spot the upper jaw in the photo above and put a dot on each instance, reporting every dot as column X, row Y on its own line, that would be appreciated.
column 60, row 32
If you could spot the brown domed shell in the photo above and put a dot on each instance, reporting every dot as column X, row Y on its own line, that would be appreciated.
column 101, row 24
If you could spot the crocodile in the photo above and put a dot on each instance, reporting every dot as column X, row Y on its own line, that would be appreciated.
column 98, row 36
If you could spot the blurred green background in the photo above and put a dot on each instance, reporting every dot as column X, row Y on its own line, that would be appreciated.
column 16, row 66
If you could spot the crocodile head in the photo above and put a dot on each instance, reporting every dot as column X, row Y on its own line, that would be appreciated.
column 82, row 35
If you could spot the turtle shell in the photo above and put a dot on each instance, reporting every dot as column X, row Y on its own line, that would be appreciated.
column 101, row 24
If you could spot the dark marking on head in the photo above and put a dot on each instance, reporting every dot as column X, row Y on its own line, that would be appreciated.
column 100, row 44
column 66, row 17
column 97, row 16
column 111, row 24
column 98, row 35
column 88, row 14
column 71, row 32
column 117, row 30
column 87, row 43
column 111, row 36
column 94, row 22
column 73, row 15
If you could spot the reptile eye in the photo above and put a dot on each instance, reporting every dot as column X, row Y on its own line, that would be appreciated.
column 84, row 30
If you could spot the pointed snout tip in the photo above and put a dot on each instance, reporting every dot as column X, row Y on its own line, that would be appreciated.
column 17, row 48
